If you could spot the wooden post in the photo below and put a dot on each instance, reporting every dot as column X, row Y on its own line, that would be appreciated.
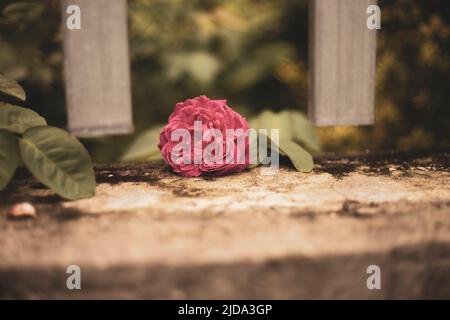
column 96, row 66
column 342, row 63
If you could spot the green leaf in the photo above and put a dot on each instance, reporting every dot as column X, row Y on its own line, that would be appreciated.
column 9, row 157
column 59, row 161
column 17, row 119
column 300, row 158
column 301, row 129
column 11, row 88
column 144, row 147
column 156, row 157
column 293, row 126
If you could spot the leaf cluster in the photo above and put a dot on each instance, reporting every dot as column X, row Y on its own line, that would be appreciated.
column 53, row 156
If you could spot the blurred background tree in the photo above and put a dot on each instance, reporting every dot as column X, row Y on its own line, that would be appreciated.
column 255, row 54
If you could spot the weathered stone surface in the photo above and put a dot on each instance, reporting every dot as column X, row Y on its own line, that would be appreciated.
column 151, row 234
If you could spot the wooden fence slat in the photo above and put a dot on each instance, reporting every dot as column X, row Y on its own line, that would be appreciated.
column 342, row 63
column 96, row 66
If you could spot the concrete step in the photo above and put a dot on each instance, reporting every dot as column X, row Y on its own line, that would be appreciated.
column 151, row 234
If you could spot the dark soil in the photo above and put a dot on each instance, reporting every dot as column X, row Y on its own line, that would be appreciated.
column 338, row 165
column 378, row 163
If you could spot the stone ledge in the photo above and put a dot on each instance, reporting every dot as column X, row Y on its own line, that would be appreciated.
column 151, row 234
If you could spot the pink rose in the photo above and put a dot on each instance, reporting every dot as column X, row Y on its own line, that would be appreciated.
column 205, row 136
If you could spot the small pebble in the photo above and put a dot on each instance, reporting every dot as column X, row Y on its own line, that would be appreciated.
column 396, row 173
column 22, row 210
column 422, row 168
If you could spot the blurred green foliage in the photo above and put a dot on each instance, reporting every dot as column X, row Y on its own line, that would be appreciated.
column 253, row 53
